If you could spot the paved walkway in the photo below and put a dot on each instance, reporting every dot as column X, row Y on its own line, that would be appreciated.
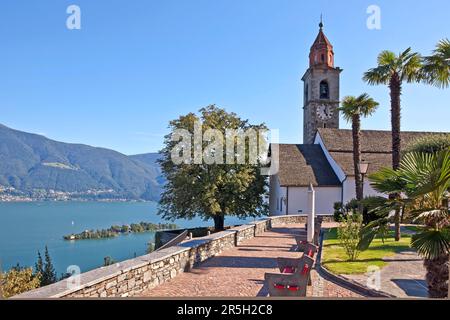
column 239, row 271
column 403, row 276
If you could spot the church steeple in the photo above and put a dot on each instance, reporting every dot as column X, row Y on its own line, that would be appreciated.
column 321, row 53
column 320, row 89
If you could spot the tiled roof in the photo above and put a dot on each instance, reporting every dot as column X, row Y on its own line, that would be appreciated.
column 321, row 40
column 303, row 164
column 372, row 141
column 376, row 161
column 376, row 147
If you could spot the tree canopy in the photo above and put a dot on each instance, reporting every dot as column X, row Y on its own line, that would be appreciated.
column 217, row 177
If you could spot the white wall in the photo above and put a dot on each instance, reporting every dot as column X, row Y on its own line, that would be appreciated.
column 325, row 199
column 349, row 191
column 277, row 207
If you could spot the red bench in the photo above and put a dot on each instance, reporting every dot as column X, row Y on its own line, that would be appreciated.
column 291, row 284
column 302, row 239
column 291, row 265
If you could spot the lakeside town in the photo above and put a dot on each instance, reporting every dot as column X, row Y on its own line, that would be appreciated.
column 10, row 194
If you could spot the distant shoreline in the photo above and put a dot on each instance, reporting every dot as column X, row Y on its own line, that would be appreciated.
column 117, row 230
column 75, row 200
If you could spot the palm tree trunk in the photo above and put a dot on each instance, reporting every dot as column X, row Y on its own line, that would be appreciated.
column 437, row 276
column 395, row 87
column 356, row 132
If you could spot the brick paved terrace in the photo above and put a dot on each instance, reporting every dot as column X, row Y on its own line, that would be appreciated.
column 239, row 271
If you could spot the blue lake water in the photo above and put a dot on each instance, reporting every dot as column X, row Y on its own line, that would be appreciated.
column 26, row 228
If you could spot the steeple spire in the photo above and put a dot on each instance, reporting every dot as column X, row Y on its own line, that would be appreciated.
column 322, row 50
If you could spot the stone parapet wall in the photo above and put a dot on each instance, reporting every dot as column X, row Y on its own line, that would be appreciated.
column 131, row 277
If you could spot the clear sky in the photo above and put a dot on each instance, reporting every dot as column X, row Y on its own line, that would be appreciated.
column 137, row 64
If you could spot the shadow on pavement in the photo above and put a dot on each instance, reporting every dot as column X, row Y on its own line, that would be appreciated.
column 412, row 287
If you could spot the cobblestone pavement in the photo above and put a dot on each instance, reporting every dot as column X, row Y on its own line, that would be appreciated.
column 239, row 272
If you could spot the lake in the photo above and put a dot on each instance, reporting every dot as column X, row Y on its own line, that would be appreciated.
column 29, row 227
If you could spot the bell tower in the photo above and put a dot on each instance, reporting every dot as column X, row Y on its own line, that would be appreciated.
column 320, row 89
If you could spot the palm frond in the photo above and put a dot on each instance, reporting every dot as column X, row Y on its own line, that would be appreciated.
column 362, row 105
column 378, row 75
column 387, row 181
column 431, row 244
column 423, row 173
column 436, row 68
column 386, row 57
column 435, row 214
column 370, row 231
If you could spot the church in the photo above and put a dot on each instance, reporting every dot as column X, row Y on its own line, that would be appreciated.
column 324, row 162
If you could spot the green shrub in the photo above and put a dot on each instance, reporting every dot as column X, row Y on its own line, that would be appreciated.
column 369, row 204
column 349, row 234
column 339, row 211
column 431, row 143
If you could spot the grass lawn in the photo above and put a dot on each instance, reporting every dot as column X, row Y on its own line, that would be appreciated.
column 335, row 259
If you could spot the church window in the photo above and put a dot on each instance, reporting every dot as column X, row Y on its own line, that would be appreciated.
column 323, row 58
column 324, row 90
column 306, row 93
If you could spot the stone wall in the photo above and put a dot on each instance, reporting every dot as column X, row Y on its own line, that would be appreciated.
column 131, row 277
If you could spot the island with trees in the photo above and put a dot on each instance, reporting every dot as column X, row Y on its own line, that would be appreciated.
column 117, row 230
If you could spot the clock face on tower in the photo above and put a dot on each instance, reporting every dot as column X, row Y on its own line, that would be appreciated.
column 324, row 112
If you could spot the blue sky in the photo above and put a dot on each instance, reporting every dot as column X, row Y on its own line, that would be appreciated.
column 137, row 64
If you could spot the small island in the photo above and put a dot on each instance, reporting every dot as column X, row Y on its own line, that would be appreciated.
column 116, row 230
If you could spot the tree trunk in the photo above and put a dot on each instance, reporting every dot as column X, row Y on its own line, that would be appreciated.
column 219, row 222
column 397, row 225
column 437, row 276
column 395, row 87
column 356, row 132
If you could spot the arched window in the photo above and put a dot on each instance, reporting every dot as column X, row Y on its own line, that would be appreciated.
column 322, row 57
column 324, row 90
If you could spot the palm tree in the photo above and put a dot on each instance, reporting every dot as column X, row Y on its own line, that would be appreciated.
column 437, row 66
column 424, row 180
column 352, row 109
column 393, row 70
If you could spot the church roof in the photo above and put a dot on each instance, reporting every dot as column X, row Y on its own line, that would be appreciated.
column 302, row 164
column 376, row 146
column 373, row 141
column 321, row 40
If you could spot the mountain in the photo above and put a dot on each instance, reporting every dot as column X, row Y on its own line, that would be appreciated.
column 32, row 163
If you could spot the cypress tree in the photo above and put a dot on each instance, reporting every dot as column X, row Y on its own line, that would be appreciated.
column 49, row 273
column 39, row 267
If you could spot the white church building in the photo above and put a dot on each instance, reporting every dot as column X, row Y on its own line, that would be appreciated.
column 325, row 160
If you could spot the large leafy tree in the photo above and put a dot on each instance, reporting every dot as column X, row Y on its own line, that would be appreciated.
column 424, row 181
column 437, row 66
column 394, row 70
column 211, row 190
column 353, row 108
